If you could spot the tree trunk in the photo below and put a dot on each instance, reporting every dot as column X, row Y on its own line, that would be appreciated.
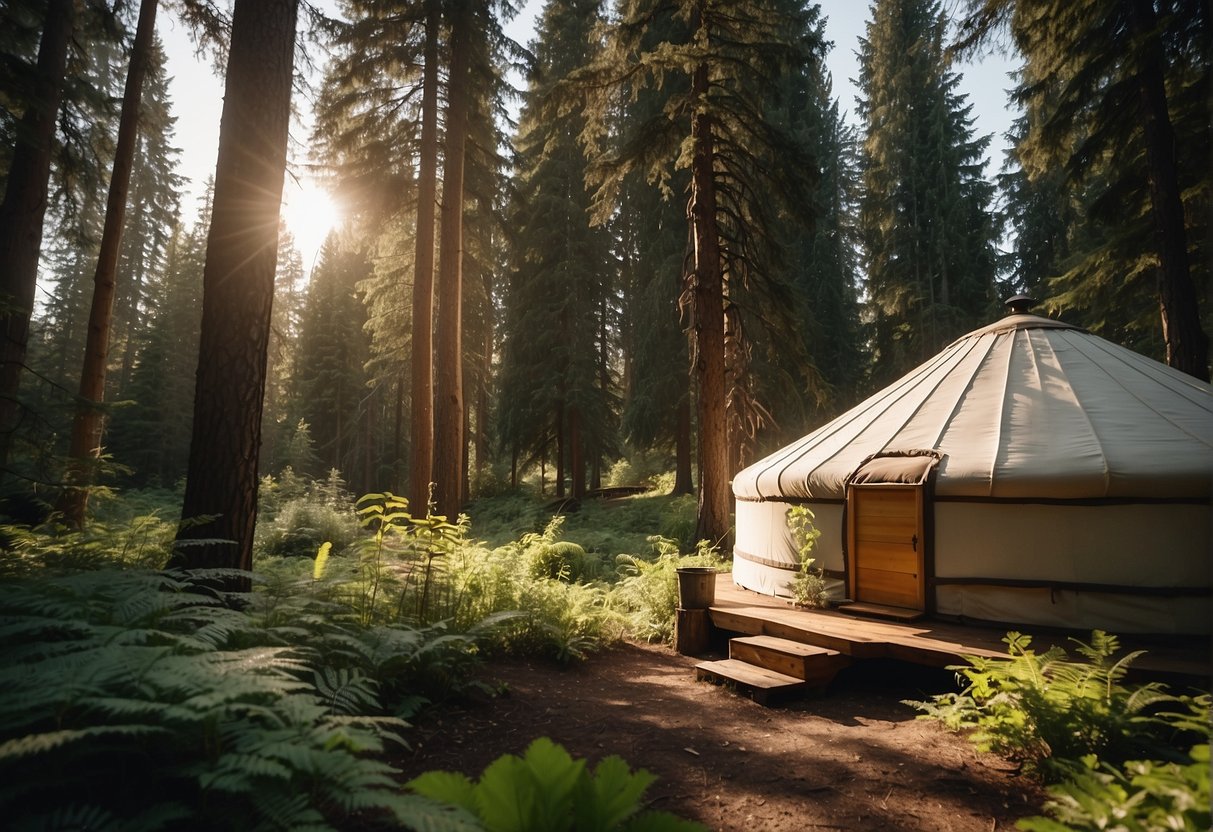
column 421, row 468
column 708, row 327
column 87, row 427
column 220, row 507
column 1187, row 343
column 398, row 442
column 486, row 373
column 23, row 210
column 682, row 448
column 558, row 417
column 576, row 454
column 448, row 400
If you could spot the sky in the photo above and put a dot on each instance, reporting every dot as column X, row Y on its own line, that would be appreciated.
column 197, row 94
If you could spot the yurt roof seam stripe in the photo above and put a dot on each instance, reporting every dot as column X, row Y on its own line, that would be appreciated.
column 899, row 391
column 968, row 388
column 925, row 396
column 797, row 451
column 1082, row 411
column 1002, row 414
column 1185, row 386
column 1148, row 404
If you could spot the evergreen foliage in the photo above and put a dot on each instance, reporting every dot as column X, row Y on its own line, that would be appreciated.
column 224, row 719
column 1048, row 711
column 151, row 434
column 924, row 220
column 331, row 353
column 558, row 395
column 1113, row 181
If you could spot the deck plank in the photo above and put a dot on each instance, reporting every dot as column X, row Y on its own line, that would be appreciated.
column 927, row 642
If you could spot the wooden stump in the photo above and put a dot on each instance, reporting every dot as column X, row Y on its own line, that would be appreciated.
column 692, row 631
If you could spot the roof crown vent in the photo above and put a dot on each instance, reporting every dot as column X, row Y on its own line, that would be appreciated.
column 1020, row 304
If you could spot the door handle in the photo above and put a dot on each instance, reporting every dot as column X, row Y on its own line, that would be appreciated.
column 914, row 542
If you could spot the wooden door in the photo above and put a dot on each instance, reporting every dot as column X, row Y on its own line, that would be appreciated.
column 885, row 544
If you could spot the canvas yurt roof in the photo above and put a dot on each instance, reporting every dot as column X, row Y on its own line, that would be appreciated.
column 1027, row 407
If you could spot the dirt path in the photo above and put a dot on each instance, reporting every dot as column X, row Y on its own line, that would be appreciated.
column 855, row 759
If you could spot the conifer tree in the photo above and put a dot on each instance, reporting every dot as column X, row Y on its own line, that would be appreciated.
column 151, row 435
column 1116, row 97
column 924, row 221
column 560, row 287
column 85, row 446
column 220, row 506
column 330, row 383
column 719, row 131
column 804, row 383
column 23, row 209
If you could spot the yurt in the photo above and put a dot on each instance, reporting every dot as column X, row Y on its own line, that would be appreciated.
column 1031, row 473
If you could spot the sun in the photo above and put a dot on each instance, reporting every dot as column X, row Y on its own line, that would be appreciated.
column 310, row 213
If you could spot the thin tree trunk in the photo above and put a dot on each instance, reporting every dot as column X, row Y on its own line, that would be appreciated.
column 398, row 442
column 1187, row 343
column 448, row 399
column 708, row 314
column 87, row 427
column 23, row 210
column 682, row 447
column 421, row 468
column 220, row 507
column 559, row 419
column 576, row 454
column 486, row 373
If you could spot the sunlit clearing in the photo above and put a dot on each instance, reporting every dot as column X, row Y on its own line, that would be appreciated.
column 310, row 213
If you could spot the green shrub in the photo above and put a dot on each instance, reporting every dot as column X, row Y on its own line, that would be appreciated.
column 1049, row 712
column 639, row 468
column 140, row 542
column 296, row 516
column 546, row 790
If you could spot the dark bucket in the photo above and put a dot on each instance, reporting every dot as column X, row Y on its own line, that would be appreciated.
column 696, row 587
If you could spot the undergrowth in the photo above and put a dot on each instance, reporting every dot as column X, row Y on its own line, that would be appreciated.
column 1118, row 756
column 132, row 698
column 136, row 700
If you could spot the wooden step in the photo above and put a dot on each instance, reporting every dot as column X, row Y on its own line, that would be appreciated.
column 881, row 611
column 758, row 682
column 816, row 666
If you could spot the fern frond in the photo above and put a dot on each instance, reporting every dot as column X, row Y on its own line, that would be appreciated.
column 347, row 691
column 34, row 744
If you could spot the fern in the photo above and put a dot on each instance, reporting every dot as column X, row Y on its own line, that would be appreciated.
column 1143, row 797
column 1048, row 711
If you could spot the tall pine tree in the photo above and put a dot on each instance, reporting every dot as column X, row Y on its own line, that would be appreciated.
column 924, row 222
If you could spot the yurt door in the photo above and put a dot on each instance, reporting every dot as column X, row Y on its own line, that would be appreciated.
column 886, row 544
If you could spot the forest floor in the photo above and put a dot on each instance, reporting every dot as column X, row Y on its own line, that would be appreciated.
column 854, row 759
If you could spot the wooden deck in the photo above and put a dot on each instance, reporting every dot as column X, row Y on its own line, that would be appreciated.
column 928, row 642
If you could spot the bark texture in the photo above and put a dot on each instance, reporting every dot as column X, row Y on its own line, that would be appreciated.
column 220, row 508
column 421, row 464
column 89, row 421
column 448, row 399
column 708, row 325
column 23, row 210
